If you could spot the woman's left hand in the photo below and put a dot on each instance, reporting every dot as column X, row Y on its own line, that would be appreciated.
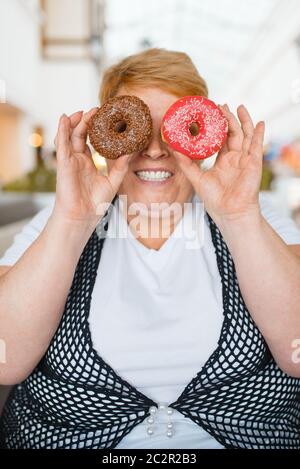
column 230, row 188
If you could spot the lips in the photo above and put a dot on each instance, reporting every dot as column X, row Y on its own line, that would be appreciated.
column 154, row 175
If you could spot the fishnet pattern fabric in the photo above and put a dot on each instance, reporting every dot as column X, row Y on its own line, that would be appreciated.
column 241, row 396
column 73, row 399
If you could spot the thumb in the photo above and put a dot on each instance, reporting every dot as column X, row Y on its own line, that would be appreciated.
column 114, row 179
column 190, row 168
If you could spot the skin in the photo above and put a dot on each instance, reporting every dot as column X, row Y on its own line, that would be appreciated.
column 268, row 270
column 157, row 156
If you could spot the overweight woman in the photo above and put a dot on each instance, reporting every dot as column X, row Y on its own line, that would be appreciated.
column 120, row 336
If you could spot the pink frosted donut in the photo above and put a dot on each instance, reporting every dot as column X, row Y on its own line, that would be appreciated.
column 195, row 126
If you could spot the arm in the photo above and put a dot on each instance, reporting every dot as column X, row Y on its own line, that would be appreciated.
column 33, row 292
column 268, row 270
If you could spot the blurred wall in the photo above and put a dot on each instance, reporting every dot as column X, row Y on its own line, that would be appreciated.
column 11, row 164
column 19, row 67
column 65, row 88
column 267, row 78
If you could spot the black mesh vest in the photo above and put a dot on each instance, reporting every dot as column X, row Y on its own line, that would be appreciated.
column 73, row 399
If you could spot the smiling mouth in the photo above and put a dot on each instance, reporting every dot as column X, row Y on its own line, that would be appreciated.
column 154, row 176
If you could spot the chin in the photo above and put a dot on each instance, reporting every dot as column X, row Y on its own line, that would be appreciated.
column 154, row 192
column 150, row 197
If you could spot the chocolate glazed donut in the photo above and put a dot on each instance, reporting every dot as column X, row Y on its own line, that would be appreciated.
column 123, row 125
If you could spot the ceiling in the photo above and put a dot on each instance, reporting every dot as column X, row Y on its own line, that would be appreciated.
column 248, row 51
column 245, row 49
column 215, row 33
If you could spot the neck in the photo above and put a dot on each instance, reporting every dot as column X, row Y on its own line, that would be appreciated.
column 153, row 230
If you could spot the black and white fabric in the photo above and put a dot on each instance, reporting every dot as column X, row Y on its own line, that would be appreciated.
column 74, row 399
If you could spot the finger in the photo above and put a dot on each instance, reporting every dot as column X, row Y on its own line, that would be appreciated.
column 118, row 171
column 247, row 128
column 88, row 152
column 256, row 147
column 63, row 139
column 190, row 168
column 235, row 134
column 75, row 118
column 79, row 134
column 224, row 148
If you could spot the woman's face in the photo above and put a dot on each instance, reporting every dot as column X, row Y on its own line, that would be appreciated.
column 158, row 156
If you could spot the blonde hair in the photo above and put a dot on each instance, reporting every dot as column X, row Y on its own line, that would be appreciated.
column 171, row 71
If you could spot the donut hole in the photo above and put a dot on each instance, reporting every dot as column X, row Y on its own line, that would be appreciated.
column 120, row 126
column 194, row 129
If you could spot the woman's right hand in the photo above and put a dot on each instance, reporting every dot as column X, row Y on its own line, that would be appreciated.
column 82, row 192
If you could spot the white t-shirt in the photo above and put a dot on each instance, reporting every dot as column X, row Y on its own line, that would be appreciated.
column 156, row 316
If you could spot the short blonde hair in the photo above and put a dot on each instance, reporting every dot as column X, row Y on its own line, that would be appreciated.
column 171, row 71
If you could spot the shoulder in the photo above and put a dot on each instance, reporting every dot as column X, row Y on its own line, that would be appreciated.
column 26, row 235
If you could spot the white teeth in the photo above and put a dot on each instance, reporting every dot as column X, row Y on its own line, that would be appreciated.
column 154, row 175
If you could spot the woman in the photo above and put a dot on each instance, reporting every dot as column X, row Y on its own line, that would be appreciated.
column 164, row 343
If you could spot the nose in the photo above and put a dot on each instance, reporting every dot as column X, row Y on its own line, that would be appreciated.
column 156, row 148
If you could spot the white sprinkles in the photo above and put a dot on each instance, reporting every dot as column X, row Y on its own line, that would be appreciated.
column 213, row 127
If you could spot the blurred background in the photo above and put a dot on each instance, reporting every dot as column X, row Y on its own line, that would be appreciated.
column 53, row 52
